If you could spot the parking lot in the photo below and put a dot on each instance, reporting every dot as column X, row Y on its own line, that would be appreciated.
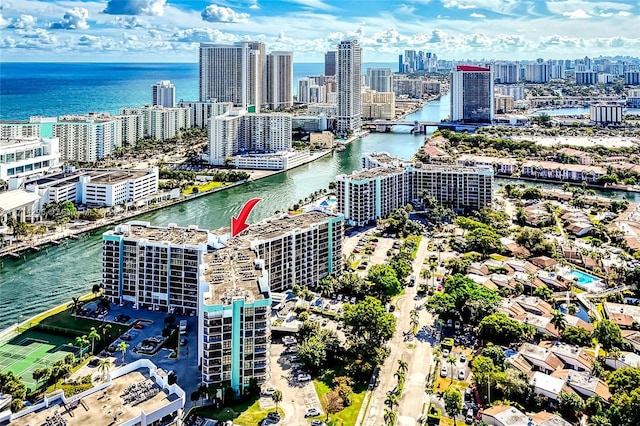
column 298, row 396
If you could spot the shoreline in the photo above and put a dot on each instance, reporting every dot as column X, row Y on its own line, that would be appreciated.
column 18, row 250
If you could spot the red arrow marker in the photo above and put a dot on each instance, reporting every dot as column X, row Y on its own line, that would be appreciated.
column 239, row 223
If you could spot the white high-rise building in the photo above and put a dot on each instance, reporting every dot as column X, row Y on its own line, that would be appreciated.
column 349, row 73
column 28, row 156
column 279, row 78
column 202, row 111
column 86, row 138
column 130, row 128
column 238, row 131
column 233, row 73
column 163, row 93
column 161, row 122
column 379, row 79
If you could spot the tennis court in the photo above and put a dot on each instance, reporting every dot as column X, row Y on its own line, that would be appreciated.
column 27, row 352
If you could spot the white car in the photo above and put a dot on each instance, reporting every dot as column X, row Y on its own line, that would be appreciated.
column 269, row 391
column 289, row 340
column 353, row 301
column 461, row 375
column 312, row 412
column 444, row 371
column 305, row 378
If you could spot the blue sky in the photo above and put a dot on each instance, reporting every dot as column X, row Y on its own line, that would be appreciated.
column 170, row 30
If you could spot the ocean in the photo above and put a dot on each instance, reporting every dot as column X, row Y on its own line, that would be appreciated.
column 53, row 89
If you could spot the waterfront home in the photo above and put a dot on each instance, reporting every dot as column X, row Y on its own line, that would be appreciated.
column 582, row 157
column 501, row 165
column 557, row 171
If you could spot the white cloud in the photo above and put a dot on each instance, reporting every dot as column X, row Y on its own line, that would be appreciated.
column 314, row 4
column 201, row 35
column 130, row 22
column 215, row 13
column 254, row 5
column 577, row 14
column 282, row 38
column 624, row 13
column 136, row 7
column 477, row 15
column 73, row 19
column 24, row 22
column 4, row 22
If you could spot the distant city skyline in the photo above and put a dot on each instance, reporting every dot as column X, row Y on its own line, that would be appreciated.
column 171, row 30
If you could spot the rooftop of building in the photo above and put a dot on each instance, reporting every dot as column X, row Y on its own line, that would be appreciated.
column 97, row 176
column 21, row 142
column 375, row 173
column 17, row 198
column 233, row 272
column 278, row 225
column 103, row 407
column 507, row 415
column 171, row 233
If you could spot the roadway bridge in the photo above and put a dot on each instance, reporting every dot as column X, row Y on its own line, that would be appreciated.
column 417, row 127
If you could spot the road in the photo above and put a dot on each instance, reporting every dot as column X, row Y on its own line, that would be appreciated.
column 413, row 395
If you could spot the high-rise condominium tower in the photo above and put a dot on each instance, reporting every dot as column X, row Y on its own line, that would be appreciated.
column 349, row 78
column 279, row 80
column 163, row 93
column 233, row 73
column 472, row 94
column 330, row 62
column 379, row 79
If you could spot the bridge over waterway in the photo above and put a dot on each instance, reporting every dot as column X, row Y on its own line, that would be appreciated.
column 417, row 127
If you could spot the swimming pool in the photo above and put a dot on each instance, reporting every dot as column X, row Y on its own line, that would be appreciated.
column 584, row 278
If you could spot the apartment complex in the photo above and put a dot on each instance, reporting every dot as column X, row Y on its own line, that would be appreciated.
column 379, row 79
column 279, row 84
column 237, row 131
column 606, row 114
column 330, row 62
column 472, row 94
column 28, row 156
column 226, row 282
column 19, row 130
column 163, row 93
column 160, row 122
column 86, row 138
column 232, row 73
column 373, row 193
column 378, row 105
column 349, row 79
column 202, row 111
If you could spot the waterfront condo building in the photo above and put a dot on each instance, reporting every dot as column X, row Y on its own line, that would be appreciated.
column 371, row 194
column 234, row 338
column 279, row 84
column 226, row 281
column 233, row 73
column 163, row 93
column 237, row 131
column 472, row 94
column 349, row 79
column 154, row 267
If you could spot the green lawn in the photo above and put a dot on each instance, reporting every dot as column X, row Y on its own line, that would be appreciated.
column 349, row 415
column 202, row 188
column 67, row 321
column 244, row 414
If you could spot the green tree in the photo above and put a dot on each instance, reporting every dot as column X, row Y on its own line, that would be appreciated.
column 122, row 347
column 93, row 336
column 483, row 240
column 496, row 354
column 452, row 402
column 577, row 336
column 392, row 400
column 598, row 420
column 384, row 280
column 452, row 360
column 463, row 299
column 501, row 329
column 625, row 408
column 313, row 353
column 608, row 334
column 16, row 405
column 544, row 293
column 276, row 396
column 559, row 321
column 389, row 417
column 41, row 374
column 624, row 380
column 370, row 327
column 82, row 341
column 104, row 366
column 570, row 405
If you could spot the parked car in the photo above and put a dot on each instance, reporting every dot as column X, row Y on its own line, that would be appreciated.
column 183, row 341
column 305, row 378
column 461, row 375
column 138, row 326
column 444, row 371
column 269, row 391
column 445, row 353
column 468, row 419
column 293, row 358
column 126, row 337
column 317, row 422
column 463, row 358
column 274, row 415
column 312, row 412
column 94, row 362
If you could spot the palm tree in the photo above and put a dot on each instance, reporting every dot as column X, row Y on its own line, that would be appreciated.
column 389, row 417
column 93, row 335
column 276, row 396
column 451, row 360
column 572, row 309
column 403, row 366
column 82, row 341
column 104, row 328
column 392, row 400
column 41, row 373
column 122, row 347
column 400, row 376
column 104, row 366
column 558, row 321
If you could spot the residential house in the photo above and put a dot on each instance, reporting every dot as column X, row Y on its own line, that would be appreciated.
column 583, row 158
column 621, row 314
column 632, row 337
column 626, row 359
